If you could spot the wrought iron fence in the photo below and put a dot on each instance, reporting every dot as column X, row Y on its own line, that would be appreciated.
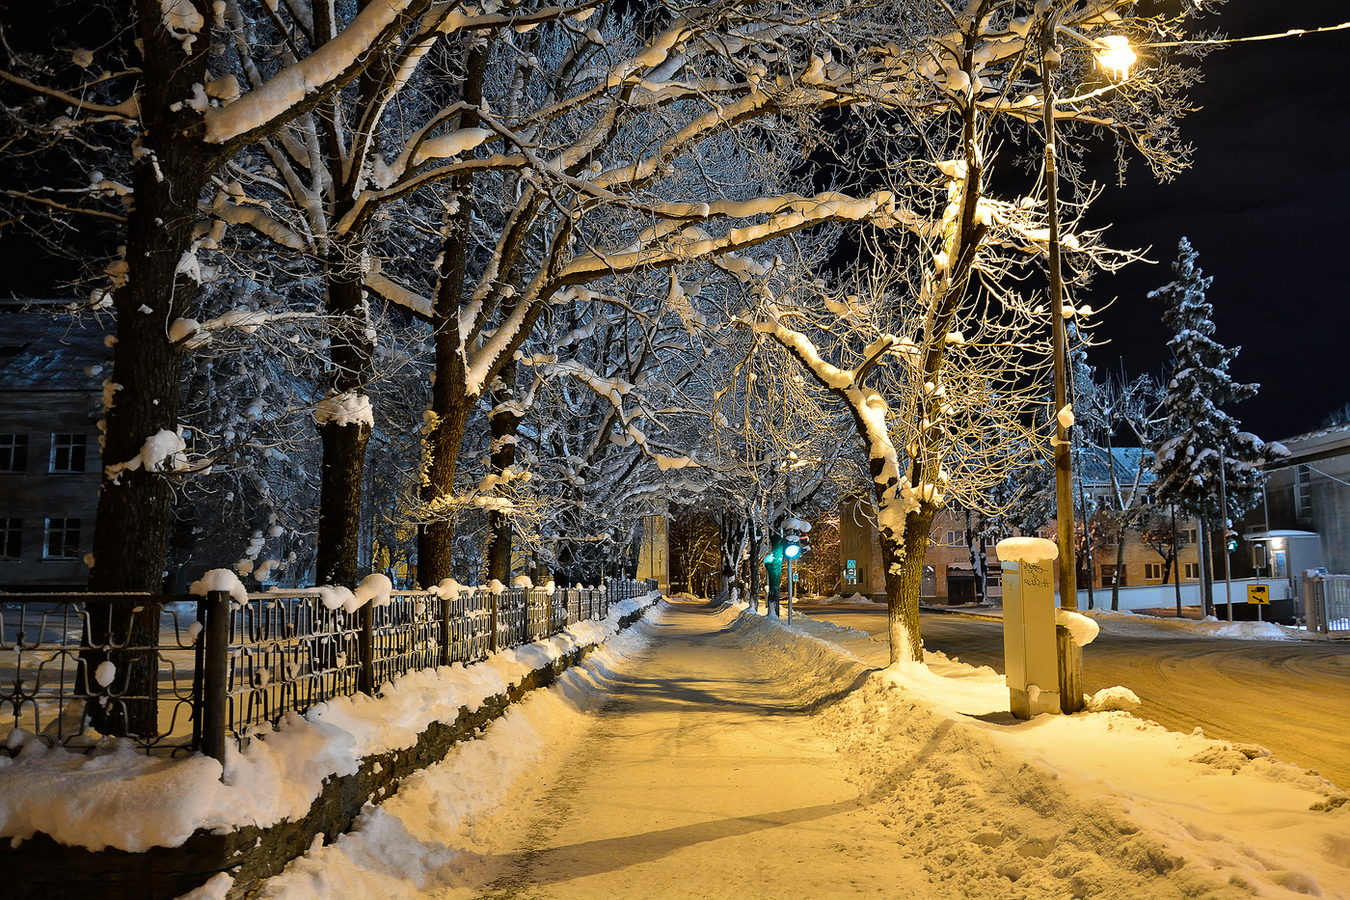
column 72, row 665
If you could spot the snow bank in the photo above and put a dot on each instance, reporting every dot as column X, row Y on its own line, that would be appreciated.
column 427, row 833
column 116, row 797
column 1207, row 627
column 1097, row 804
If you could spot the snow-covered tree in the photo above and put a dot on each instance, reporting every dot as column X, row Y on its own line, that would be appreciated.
column 1195, row 432
column 162, row 101
column 949, row 322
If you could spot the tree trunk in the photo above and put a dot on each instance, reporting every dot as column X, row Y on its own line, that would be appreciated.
column 342, row 477
column 435, row 540
column 753, row 539
column 903, row 563
column 504, row 423
column 733, row 550
column 773, row 570
column 131, row 530
column 1176, row 559
column 1120, row 562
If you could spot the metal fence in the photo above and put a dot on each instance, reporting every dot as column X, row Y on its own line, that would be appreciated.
column 225, row 669
column 1326, row 601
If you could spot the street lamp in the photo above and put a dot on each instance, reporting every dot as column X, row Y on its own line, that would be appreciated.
column 1112, row 53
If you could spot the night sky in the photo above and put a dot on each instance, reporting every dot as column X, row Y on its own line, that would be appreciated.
column 1265, row 205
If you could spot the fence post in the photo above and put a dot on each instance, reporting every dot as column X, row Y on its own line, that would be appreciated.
column 215, row 640
column 446, row 654
column 365, row 646
column 492, row 622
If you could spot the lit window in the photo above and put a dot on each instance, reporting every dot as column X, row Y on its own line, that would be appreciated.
column 62, row 539
column 11, row 539
column 68, row 453
column 13, row 453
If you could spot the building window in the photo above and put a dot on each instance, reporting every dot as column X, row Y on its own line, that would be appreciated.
column 1192, row 570
column 62, row 540
column 955, row 539
column 11, row 539
column 1188, row 536
column 68, row 453
column 1303, row 492
column 13, row 453
column 1153, row 571
column 1109, row 575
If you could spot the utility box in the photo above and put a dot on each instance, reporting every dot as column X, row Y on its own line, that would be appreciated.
column 1030, row 648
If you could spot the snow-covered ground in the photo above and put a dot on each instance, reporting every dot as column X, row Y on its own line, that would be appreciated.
column 955, row 798
column 912, row 777
column 115, row 796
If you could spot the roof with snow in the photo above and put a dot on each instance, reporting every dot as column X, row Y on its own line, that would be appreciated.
column 52, row 352
column 1092, row 465
column 1325, row 443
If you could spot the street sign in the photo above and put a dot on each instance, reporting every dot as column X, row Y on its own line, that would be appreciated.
column 1258, row 593
column 852, row 564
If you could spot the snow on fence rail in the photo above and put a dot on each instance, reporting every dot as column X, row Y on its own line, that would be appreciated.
column 225, row 669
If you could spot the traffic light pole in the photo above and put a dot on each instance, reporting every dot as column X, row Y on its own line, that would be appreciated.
column 790, row 587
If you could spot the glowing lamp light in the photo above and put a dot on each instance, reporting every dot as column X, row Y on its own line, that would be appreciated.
column 792, row 551
column 1114, row 53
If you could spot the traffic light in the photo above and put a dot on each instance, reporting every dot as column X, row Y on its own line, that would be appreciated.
column 795, row 540
column 1231, row 537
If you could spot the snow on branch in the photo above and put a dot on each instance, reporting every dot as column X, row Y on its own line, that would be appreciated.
column 790, row 213
column 337, row 61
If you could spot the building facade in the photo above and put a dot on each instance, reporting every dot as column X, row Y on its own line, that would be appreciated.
column 51, row 372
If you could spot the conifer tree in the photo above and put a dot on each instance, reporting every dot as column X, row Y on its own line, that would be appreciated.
column 1195, row 431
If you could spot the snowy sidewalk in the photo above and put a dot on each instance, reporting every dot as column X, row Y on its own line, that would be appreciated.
column 703, row 777
column 719, row 754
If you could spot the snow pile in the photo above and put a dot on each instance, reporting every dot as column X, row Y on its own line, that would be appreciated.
column 1082, row 630
column 1097, row 804
column 161, row 452
column 117, row 797
column 1206, row 627
column 345, row 409
column 1029, row 550
column 220, row 580
column 375, row 589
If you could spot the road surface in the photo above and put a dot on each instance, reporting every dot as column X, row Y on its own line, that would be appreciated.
column 1291, row 697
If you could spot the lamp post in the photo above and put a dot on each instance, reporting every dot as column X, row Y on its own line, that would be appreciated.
column 1112, row 53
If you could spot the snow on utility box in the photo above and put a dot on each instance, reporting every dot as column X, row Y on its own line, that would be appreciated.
column 1029, row 645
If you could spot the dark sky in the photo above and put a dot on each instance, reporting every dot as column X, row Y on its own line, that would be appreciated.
column 1265, row 205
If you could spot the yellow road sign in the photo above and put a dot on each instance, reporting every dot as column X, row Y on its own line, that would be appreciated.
column 1258, row 593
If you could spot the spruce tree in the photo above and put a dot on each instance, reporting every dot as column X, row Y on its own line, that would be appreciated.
column 1195, row 431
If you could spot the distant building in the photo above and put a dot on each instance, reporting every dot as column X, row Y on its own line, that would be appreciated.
column 1303, row 519
column 51, row 374
column 949, row 574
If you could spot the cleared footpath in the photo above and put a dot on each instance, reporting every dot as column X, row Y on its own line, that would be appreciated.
column 703, row 777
